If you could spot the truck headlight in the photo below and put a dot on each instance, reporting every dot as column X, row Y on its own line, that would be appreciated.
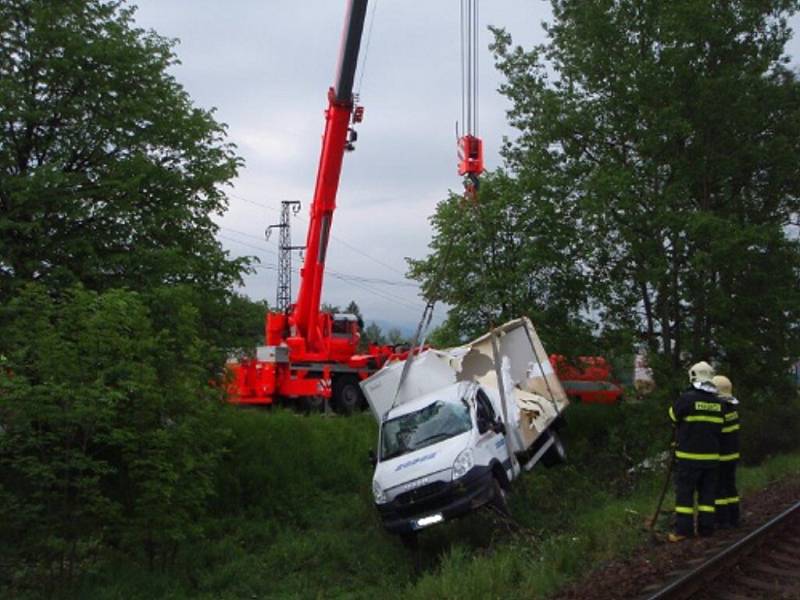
column 377, row 491
column 463, row 463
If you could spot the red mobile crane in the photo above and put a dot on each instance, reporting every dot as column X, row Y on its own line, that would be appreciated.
column 312, row 355
column 587, row 379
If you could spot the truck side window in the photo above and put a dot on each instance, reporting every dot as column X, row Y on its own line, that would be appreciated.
column 484, row 406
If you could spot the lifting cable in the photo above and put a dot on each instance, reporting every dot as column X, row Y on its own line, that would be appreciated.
column 470, row 146
column 469, row 19
column 420, row 335
column 469, row 66
column 364, row 55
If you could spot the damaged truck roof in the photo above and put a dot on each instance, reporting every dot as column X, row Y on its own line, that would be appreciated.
column 516, row 368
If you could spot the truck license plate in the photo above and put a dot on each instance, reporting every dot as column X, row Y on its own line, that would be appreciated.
column 429, row 520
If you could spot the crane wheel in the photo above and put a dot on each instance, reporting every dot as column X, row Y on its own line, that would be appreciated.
column 347, row 395
column 313, row 404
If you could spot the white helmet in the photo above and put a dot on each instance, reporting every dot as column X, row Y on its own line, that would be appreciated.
column 701, row 372
column 724, row 385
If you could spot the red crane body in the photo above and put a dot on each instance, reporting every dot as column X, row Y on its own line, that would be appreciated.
column 587, row 379
column 309, row 354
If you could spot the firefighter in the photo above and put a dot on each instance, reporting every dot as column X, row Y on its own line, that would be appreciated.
column 727, row 502
column 697, row 417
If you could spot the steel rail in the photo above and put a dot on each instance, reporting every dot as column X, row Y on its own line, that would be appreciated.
column 696, row 579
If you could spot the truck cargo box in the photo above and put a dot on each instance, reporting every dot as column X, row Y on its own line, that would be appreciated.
column 529, row 395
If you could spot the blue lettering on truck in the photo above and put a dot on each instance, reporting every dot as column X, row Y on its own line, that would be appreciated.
column 415, row 461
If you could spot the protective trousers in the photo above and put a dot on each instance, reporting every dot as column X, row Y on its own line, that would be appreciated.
column 727, row 502
column 692, row 477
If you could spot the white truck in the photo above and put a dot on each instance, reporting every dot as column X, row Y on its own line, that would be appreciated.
column 459, row 425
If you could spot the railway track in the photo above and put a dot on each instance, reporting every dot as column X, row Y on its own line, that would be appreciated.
column 765, row 563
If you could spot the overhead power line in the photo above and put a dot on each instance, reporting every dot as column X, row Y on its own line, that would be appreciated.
column 411, row 307
column 353, row 280
column 245, row 234
column 248, row 245
column 334, row 237
column 373, row 280
column 382, row 295
column 253, row 202
column 379, row 281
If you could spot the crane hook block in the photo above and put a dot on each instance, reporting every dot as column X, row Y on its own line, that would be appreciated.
column 470, row 155
column 358, row 114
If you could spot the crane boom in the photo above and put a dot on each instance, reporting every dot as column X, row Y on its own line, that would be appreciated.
column 335, row 141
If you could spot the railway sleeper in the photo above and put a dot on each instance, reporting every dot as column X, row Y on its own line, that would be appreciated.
column 771, row 570
column 761, row 585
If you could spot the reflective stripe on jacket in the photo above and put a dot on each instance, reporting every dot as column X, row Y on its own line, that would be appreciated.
column 729, row 442
column 699, row 418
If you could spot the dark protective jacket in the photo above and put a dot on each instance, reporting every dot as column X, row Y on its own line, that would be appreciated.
column 698, row 417
column 729, row 442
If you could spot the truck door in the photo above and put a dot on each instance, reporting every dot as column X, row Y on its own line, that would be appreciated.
column 491, row 445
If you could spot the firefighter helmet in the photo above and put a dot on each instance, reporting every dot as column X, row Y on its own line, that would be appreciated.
column 724, row 385
column 701, row 372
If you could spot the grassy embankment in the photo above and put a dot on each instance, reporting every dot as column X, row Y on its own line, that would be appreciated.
column 294, row 519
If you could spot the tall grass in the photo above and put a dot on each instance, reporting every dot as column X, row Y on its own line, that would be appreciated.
column 293, row 518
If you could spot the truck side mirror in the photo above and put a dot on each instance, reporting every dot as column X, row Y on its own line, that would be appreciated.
column 373, row 460
column 499, row 427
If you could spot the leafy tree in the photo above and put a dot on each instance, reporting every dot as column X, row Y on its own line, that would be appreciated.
column 446, row 335
column 668, row 134
column 511, row 254
column 395, row 337
column 353, row 309
column 374, row 334
column 109, row 430
column 108, row 175
column 242, row 321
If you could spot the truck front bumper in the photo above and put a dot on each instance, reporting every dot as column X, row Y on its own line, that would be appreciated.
column 445, row 499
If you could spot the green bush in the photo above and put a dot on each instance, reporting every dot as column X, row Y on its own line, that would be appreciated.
column 109, row 433
column 280, row 462
column 769, row 425
column 616, row 438
column 627, row 434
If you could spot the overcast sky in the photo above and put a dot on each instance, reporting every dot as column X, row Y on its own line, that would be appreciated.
column 266, row 65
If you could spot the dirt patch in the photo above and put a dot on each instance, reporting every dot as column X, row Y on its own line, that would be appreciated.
column 627, row 578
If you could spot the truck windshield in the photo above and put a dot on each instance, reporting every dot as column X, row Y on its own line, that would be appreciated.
column 434, row 423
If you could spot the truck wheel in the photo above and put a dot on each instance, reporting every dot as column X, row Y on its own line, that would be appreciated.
column 500, row 499
column 347, row 396
column 556, row 454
